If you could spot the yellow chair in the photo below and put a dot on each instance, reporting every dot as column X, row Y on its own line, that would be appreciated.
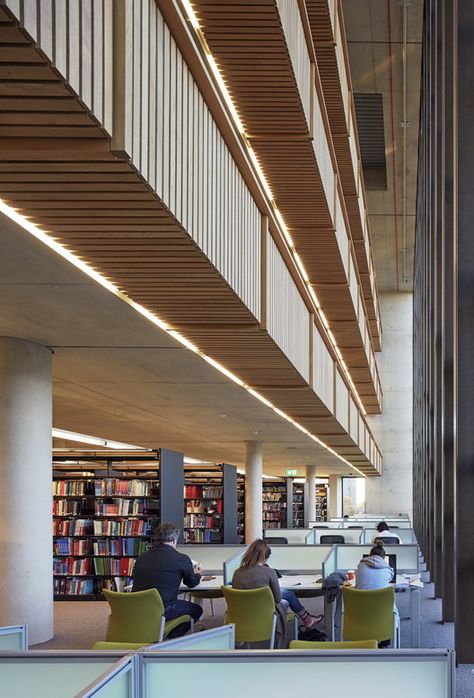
column 253, row 613
column 137, row 619
column 359, row 645
column 370, row 613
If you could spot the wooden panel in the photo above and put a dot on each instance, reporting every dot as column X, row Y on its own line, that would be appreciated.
column 353, row 285
column 343, row 76
column 193, row 164
column 323, row 155
column 342, row 402
column 287, row 315
column 296, row 42
column 323, row 371
column 342, row 238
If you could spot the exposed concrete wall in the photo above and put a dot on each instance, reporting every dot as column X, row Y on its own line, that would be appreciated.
column 393, row 429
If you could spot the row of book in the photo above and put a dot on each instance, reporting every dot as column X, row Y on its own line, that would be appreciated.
column 200, row 506
column 273, row 506
column 74, row 587
column 122, row 507
column 72, row 488
column 202, row 536
column 122, row 567
column 69, row 507
column 201, row 521
column 102, row 546
column 91, row 527
column 271, row 497
column 134, row 488
column 203, row 492
column 72, row 565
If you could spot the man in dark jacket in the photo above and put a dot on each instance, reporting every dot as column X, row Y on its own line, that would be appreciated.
column 164, row 568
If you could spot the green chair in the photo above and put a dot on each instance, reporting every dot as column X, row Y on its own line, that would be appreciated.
column 368, row 614
column 359, row 645
column 137, row 619
column 293, row 619
column 253, row 613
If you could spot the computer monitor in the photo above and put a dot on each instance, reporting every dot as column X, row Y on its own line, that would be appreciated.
column 391, row 560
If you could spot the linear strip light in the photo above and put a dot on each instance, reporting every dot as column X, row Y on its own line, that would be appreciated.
column 94, row 440
column 57, row 247
column 194, row 21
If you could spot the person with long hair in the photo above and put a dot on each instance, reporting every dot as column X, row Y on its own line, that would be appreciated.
column 254, row 572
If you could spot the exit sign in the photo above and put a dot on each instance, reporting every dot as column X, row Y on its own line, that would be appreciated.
column 291, row 473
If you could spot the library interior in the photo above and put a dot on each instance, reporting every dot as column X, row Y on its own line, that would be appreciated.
column 236, row 347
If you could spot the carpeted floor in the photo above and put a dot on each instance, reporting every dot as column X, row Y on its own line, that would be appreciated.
column 79, row 624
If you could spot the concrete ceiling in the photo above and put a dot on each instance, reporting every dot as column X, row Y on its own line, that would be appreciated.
column 118, row 376
column 374, row 31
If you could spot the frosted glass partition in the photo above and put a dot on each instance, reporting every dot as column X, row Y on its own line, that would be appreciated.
column 350, row 536
column 329, row 562
column 233, row 564
column 349, row 556
column 298, row 558
column 117, row 682
column 293, row 535
column 221, row 638
column 305, row 673
column 45, row 674
column 211, row 557
column 371, row 523
column 406, row 535
column 14, row 637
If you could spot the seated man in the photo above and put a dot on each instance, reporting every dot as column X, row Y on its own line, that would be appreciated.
column 384, row 532
column 164, row 568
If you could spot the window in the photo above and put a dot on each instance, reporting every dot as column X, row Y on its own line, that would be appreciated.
column 353, row 496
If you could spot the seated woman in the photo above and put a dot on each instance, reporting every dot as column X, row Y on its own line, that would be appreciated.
column 373, row 572
column 254, row 572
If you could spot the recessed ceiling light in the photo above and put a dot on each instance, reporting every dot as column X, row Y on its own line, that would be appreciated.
column 222, row 415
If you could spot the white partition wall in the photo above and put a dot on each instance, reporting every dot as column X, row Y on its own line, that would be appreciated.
column 406, row 535
column 211, row 557
column 349, row 556
column 298, row 558
column 293, row 535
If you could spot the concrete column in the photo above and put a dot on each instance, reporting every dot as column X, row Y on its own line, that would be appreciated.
column 310, row 495
column 26, row 578
column 393, row 429
column 253, row 490
column 335, row 497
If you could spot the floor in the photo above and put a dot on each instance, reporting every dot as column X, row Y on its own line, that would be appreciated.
column 79, row 624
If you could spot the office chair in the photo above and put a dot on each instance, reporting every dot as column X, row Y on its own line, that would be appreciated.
column 356, row 645
column 275, row 539
column 320, row 526
column 331, row 539
column 253, row 613
column 387, row 540
column 137, row 619
column 355, row 527
column 368, row 614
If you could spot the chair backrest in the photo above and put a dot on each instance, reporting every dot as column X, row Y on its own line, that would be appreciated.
column 357, row 645
column 275, row 539
column 368, row 613
column 355, row 527
column 320, row 526
column 252, row 612
column 134, row 617
column 387, row 540
column 331, row 539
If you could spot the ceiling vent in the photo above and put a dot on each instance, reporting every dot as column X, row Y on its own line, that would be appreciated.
column 369, row 112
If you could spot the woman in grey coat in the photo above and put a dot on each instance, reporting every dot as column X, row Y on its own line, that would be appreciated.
column 254, row 573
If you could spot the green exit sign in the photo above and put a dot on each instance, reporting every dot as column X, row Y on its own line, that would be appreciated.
column 291, row 473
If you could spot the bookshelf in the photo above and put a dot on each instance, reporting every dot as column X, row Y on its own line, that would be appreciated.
column 240, row 509
column 274, row 504
column 210, row 504
column 298, row 504
column 321, row 503
column 104, row 511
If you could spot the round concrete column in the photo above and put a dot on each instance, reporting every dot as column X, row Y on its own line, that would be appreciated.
column 26, row 581
column 310, row 495
column 253, row 490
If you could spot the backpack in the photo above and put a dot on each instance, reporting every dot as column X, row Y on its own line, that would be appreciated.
column 312, row 635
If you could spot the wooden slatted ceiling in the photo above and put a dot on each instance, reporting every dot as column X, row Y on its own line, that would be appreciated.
column 59, row 171
column 323, row 39
column 248, row 44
